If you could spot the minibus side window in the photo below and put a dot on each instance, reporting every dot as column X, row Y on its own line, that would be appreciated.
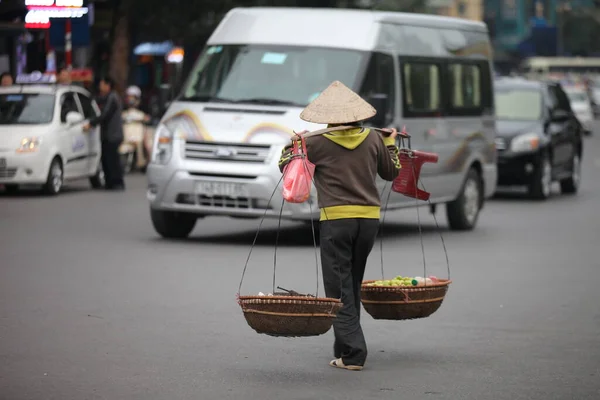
column 421, row 89
column 468, row 87
column 465, row 85
column 379, row 80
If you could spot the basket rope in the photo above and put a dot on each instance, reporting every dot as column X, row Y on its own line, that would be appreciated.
column 382, row 225
column 439, row 232
column 419, row 220
column 410, row 154
column 276, row 242
column 256, row 236
column 312, row 223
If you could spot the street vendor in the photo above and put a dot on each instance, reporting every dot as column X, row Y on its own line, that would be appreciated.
column 347, row 164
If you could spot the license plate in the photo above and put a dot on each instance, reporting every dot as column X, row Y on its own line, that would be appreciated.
column 2, row 163
column 233, row 190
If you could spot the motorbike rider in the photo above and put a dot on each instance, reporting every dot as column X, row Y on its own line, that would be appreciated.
column 134, row 114
column 133, row 97
column 133, row 100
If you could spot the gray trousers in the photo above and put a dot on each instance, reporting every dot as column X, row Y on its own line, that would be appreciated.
column 345, row 247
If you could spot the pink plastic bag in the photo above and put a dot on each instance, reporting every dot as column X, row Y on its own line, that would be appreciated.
column 298, row 175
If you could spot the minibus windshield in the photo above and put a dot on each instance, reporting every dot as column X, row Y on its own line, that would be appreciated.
column 272, row 75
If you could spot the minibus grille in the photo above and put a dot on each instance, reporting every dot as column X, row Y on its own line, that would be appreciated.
column 244, row 203
column 8, row 172
column 196, row 150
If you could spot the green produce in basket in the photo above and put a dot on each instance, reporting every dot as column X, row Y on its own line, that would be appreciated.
column 396, row 282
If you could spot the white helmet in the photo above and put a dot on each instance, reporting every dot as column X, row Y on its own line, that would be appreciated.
column 134, row 91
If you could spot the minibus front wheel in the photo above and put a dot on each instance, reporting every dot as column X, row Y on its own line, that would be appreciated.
column 464, row 211
column 173, row 224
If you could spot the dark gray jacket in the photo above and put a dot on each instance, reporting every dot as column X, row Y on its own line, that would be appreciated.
column 110, row 120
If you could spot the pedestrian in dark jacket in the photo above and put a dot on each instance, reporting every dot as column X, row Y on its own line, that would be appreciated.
column 111, row 133
column 347, row 164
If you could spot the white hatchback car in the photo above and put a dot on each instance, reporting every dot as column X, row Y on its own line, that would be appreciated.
column 42, row 141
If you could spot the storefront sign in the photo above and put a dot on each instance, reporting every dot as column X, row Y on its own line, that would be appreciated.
column 41, row 11
column 40, row 19
column 82, row 75
column 80, row 32
column 36, row 77
column 53, row 3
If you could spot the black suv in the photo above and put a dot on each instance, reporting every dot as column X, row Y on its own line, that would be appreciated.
column 539, row 138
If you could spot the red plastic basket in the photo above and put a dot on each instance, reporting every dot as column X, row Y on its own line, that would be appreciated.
column 407, row 180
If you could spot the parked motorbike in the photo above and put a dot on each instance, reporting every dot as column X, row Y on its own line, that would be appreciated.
column 134, row 151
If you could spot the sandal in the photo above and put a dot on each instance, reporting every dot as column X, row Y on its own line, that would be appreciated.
column 338, row 363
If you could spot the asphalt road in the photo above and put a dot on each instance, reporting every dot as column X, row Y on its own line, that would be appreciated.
column 93, row 305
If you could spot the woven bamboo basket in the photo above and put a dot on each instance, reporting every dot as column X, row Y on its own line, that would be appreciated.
column 403, row 302
column 289, row 316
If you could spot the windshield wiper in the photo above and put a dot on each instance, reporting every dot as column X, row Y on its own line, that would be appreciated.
column 273, row 102
column 265, row 101
column 213, row 99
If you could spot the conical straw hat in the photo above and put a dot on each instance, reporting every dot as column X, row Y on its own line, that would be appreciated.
column 337, row 105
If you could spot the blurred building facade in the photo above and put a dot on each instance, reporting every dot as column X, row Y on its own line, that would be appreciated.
column 527, row 28
column 32, row 40
column 469, row 9
column 13, row 35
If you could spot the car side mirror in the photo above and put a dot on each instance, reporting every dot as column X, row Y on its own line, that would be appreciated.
column 559, row 116
column 73, row 117
column 381, row 103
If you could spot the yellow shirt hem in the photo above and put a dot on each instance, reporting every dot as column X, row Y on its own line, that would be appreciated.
column 343, row 212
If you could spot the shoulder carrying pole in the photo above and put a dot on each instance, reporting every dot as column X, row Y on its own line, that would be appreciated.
column 343, row 128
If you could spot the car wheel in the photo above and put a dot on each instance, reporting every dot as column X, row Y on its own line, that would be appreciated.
column 464, row 211
column 54, row 182
column 99, row 179
column 172, row 225
column 571, row 184
column 541, row 184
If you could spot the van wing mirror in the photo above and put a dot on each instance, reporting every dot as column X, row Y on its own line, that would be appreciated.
column 380, row 102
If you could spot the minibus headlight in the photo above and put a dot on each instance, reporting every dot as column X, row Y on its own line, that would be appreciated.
column 163, row 148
